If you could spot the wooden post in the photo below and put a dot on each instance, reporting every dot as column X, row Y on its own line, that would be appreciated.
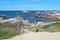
column 35, row 25
column 18, row 27
column 19, row 24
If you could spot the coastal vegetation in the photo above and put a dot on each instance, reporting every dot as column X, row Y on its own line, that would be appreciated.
column 7, row 31
column 55, row 27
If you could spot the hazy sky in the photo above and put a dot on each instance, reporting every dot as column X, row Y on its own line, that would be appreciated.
column 29, row 4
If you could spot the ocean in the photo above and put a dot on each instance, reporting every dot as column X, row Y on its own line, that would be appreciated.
column 30, row 16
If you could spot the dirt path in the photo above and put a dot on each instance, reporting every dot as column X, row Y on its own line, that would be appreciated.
column 38, row 36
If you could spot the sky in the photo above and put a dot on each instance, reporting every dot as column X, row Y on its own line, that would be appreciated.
column 29, row 4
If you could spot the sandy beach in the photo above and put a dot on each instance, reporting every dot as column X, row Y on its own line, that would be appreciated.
column 38, row 36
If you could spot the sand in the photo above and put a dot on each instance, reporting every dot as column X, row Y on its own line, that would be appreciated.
column 38, row 36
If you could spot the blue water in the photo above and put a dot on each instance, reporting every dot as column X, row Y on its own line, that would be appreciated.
column 30, row 16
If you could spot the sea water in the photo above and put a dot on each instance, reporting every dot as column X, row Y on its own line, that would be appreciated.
column 30, row 16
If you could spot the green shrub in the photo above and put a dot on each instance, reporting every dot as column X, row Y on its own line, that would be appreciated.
column 55, row 27
column 8, row 34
